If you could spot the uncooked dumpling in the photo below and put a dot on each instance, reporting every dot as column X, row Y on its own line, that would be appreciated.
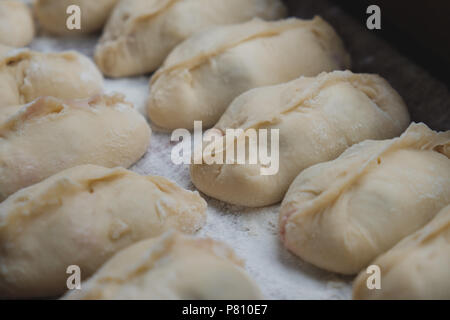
column 418, row 267
column 16, row 23
column 173, row 267
column 341, row 215
column 26, row 75
column 318, row 119
column 141, row 33
column 52, row 15
column 203, row 75
column 50, row 135
column 82, row 216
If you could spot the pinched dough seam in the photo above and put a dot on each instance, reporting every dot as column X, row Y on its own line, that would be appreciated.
column 33, row 203
column 44, row 106
column 407, row 140
column 131, row 25
column 302, row 100
column 267, row 32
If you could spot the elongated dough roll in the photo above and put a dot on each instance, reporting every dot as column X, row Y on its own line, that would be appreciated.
column 141, row 33
column 16, row 23
column 340, row 215
column 318, row 118
column 173, row 267
column 82, row 216
column 418, row 267
column 26, row 75
column 50, row 135
column 52, row 15
column 203, row 75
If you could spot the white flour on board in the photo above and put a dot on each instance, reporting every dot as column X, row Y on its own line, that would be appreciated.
column 251, row 232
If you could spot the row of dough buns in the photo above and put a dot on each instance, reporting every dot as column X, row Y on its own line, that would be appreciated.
column 82, row 216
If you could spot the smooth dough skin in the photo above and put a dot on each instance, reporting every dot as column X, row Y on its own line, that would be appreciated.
column 341, row 215
column 203, row 75
column 418, row 267
column 16, row 23
column 141, row 33
column 318, row 119
column 26, row 75
column 172, row 267
column 52, row 15
column 50, row 135
column 82, row 216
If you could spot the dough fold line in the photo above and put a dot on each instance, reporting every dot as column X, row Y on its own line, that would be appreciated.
column 417, row 136
column 267, row 31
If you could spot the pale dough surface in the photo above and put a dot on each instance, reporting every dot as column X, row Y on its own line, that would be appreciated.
column 82, row 216
column 26, row 75
column 49, row 135
column 16, row 23
column 418, row 267
column 171, row 267
column 340, row 215
column 141, row 33
column 202, row 76
column 318, row 118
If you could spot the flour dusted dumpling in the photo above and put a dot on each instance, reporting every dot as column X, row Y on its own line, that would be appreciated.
column 318, row 118
column 49, row 135
column 26, row 75
column 173, row 267
column 52, row 15
column 203, row 75
column 16, row 23
column 341, row 215
column 82, row 216
column 141, row 33
column 418, row 267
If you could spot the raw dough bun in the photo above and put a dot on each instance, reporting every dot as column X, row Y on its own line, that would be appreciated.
column 318, row 119
column 203, row 75
column 141, row 33
column 341, row 215
column 26, row 75
column 418, row 267
column 82, row 216
column 16, row 23
column 173, row 267
column 50, row 135
column 52, row 15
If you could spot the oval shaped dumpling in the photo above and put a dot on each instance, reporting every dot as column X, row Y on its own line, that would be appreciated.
column 16, row 23
column 418, row 267
column 50, row 135
column 340, row 215
column 141, row 33
column 173, row 267
column 52, row 15
column 317, row 118
column 82, row 216
column 203, row 75
column 26, row 75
